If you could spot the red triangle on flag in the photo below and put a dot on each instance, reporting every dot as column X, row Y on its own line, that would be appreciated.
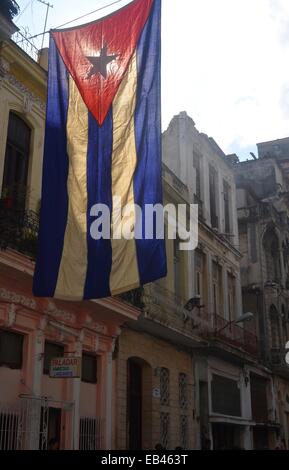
column 97, row 55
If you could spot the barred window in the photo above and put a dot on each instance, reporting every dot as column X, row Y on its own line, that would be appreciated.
column 183, row 391
column 184, row 431
column 165, row 387
column 165, row 430
column 90, row 434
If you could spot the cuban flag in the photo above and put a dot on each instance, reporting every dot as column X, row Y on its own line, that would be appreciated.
column 103, row 140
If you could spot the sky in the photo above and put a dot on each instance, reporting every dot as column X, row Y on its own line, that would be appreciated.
column 225, row 62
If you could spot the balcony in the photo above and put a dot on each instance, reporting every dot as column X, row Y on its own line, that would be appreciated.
column 19, row 230
column 167, row 309
column 235, row 335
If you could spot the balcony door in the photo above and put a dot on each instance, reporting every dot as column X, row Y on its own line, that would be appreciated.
column 14, row 186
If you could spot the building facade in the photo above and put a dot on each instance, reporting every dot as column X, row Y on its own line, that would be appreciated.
column 263, row 226
column 188, row 331
column 34, row 408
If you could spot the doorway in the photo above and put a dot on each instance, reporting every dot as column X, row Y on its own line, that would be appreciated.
column 139, row 404
column 226, row 436
column 50, row 427
column 135, row 384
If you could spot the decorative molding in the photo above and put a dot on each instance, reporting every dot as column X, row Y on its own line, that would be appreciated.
column 29, row 98
column 4, row 69
column 97, row 327
column 11, row 315
column 52, row 310
column 17, row 299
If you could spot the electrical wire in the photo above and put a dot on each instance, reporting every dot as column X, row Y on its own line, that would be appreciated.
column 23, row 11
column 79, row 18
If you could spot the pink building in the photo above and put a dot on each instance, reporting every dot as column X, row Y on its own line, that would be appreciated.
column 34, row 408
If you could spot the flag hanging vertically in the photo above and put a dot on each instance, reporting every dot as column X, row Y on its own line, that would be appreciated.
column 103, row 141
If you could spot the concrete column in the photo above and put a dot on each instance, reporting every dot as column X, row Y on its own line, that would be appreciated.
column 76, row 384
column 36, row 363
column 38, row 350
column 247, row 443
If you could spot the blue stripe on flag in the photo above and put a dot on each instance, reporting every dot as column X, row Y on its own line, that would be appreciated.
column 54, row 203
column 99, row 192
column 147, row 183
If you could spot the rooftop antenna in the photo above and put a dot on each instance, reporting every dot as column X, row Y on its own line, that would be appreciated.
column 46, row 18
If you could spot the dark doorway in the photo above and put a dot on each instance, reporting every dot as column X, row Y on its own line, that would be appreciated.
column 52, row 419
column 260, row 437
column 226, row 436
column 134, row 393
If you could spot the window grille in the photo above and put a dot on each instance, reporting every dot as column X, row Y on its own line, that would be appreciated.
column 90, row 434
column 183, row 391
column 165, row 387
column 165, row 429
column 184, row 431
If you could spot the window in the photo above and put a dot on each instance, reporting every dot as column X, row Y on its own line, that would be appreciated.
column 9, row 423
column 213, row 197
column 275, row 331
column 226, row 396
column 16, row 162
column 259, row 399
column 89, row 368
column 201, row 276
column 197, row 166
column 51, row 351
column 231, row 297
column 177, row 268
column 272, row 256
column 217, row 288
column 227, row 208
column 11, row 350
column 90, row 434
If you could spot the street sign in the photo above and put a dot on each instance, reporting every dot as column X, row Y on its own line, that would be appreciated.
column 65, row 368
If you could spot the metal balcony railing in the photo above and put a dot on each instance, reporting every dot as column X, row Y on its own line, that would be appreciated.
column 167, row 308
column 19, row 230
column 236, row 335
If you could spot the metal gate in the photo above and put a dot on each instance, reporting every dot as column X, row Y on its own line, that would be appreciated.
column 25, row 426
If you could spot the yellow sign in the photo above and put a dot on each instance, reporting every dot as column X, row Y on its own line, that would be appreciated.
column 65, row 368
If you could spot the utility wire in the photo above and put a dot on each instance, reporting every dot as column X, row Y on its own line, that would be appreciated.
column 23, row 11
column 76, row 19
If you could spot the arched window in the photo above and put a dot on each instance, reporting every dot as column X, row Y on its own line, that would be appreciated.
column 275, row 331
column 14, row 187
column 272, row 256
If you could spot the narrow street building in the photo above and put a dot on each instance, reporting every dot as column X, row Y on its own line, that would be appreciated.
column 263, row 211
